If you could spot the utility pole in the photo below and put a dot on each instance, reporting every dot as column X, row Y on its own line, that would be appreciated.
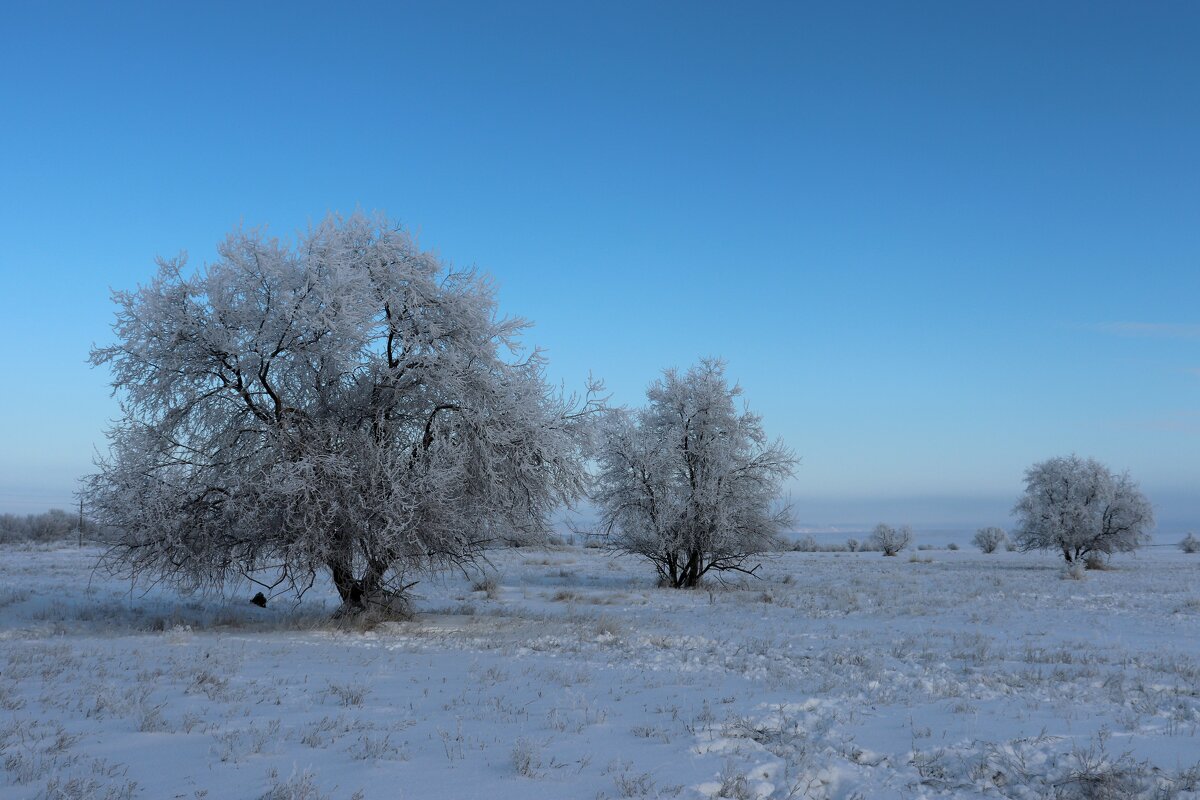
column 81, row 523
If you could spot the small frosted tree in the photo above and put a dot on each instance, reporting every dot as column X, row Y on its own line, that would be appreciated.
column 1080, row 508
column 990, row 539
column 349, row 406
column 1190, row 544
column 890, row 540
column 689, row 482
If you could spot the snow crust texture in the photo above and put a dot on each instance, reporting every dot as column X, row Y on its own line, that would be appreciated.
column 568, row 674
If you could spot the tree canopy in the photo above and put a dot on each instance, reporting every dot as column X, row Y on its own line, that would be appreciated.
column 1078, row 506
column 690, row 482
column 350, row 404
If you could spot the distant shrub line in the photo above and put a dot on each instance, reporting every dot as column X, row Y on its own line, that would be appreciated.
column 52, row 526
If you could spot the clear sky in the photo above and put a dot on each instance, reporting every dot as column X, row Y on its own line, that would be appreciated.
column 935, row 242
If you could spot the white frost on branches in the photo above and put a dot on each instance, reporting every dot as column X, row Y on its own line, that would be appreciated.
column 990, row 539
column 890, row 540
column 1078, row 506
column 689, row 482
column 349, row 405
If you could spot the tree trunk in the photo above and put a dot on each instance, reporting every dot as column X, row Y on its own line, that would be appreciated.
column 347, row 587
column 690, row 578
column 356, row 593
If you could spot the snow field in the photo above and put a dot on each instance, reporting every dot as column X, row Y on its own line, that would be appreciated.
column 569, row 674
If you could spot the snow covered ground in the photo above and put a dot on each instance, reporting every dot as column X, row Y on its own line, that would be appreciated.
column 838, row 675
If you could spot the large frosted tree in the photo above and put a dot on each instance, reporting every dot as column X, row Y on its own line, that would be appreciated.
column 1078, row 507
column 350, row 405
column 691, row 482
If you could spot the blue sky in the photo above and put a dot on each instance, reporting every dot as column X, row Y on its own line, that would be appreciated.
column 935, row 242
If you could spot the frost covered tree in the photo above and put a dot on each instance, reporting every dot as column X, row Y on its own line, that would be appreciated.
column 989, row 540
column 690, row 482
column 1079, row 507
column 351, row 406
column 890, row 540
column 1190, row 544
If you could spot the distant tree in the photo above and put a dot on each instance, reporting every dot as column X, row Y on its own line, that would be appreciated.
column 690, row 482
column 1190, row 544
column 890, row 540
column 806, row 544
column 351, row 406
column 1078, row 507
column 989, row 540
column 52, row 525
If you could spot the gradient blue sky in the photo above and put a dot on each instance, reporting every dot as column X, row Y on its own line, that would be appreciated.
column 935, row 241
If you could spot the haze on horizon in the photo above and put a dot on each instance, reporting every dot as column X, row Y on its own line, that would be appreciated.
column 934, row 244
